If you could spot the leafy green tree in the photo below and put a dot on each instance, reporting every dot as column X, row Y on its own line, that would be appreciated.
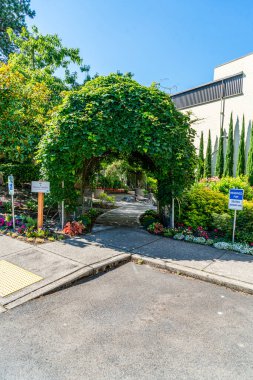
column 23, row 114
column 220, row 156
column 241, row 155
column 30, row 91
column 208, row 159
column 115, row 116
column 45, row 53
column 12, row 15
column 200, row 172
column 250, row 160
column 229, row 161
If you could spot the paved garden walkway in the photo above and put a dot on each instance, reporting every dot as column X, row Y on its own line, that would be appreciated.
column 126, row 215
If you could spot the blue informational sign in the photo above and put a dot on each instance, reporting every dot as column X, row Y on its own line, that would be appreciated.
column 11, row 184
column 235, row 199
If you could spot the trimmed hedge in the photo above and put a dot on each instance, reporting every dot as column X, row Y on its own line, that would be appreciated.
column 22, row 173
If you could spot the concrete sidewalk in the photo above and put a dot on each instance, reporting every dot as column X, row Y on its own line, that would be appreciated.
column 203, row 262
column 60, row 263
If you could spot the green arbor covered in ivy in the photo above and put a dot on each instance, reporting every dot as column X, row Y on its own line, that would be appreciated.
column 116, row 117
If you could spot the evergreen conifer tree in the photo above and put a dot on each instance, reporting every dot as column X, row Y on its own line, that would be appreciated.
column 201, row 158
column 250, row 160
column 241, row 155
column 229, row 161
column 220, row 156
column 208, row 160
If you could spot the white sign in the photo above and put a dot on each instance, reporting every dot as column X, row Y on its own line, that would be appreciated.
column 40, row 187
column 11, row 184
column 235, row 199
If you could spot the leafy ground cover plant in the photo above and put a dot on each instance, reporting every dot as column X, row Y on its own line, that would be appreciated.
column 156, row 228
column 74, row 228
column 25, row 229
column 218, row 234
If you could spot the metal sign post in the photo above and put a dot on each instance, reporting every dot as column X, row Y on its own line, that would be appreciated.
column 234, row 224
column 173, row 213
column 62, row 210
column 235, row 203
column 11, row 192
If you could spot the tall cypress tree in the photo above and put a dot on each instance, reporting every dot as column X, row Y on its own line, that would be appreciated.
column 250, row 159
column 241, row 155
column 220, row 156
column 208, row 160
column 201, row 158
column 229, row 161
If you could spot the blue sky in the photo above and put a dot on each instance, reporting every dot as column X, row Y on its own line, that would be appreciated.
column 176, row 43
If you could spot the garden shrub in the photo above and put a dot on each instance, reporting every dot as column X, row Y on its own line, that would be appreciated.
column 147, row 220
column 22, row 173
column 85, row 219
column 93, row 213
column 223, row 222
column 224, row 184
column 244, row 223
column 104, row 198
column 149, row 217
column 199, row 203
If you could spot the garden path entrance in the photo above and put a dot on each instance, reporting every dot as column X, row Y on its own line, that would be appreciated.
column 126, row 215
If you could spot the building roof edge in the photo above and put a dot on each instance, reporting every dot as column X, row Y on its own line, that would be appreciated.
column 232, row 60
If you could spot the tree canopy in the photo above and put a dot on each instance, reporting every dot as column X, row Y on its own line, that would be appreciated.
column 45, row 54
column 116, row 116
column 30, row 90
column 23, row 109
column 12, row 15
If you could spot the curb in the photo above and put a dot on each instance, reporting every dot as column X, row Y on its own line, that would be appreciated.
column 2, row 309
column 114, row 262
column 87, row 271
column 230, row 283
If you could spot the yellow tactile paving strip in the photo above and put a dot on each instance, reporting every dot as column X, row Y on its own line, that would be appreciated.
column 14, row 278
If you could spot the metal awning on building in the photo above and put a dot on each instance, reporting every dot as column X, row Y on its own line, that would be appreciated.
column 210, row 92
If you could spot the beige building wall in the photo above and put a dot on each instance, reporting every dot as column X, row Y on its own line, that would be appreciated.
column 209, row 114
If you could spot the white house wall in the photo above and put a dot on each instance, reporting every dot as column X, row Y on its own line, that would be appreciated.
column 209, row 113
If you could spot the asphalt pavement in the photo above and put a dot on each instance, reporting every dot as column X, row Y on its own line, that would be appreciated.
column 135, row 322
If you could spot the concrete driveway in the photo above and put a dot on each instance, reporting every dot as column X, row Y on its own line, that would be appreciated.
column 135, row 322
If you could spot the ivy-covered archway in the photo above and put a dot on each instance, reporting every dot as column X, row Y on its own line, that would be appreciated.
column 116, row 116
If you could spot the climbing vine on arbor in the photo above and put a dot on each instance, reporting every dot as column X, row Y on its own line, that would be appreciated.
column 116, row 116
